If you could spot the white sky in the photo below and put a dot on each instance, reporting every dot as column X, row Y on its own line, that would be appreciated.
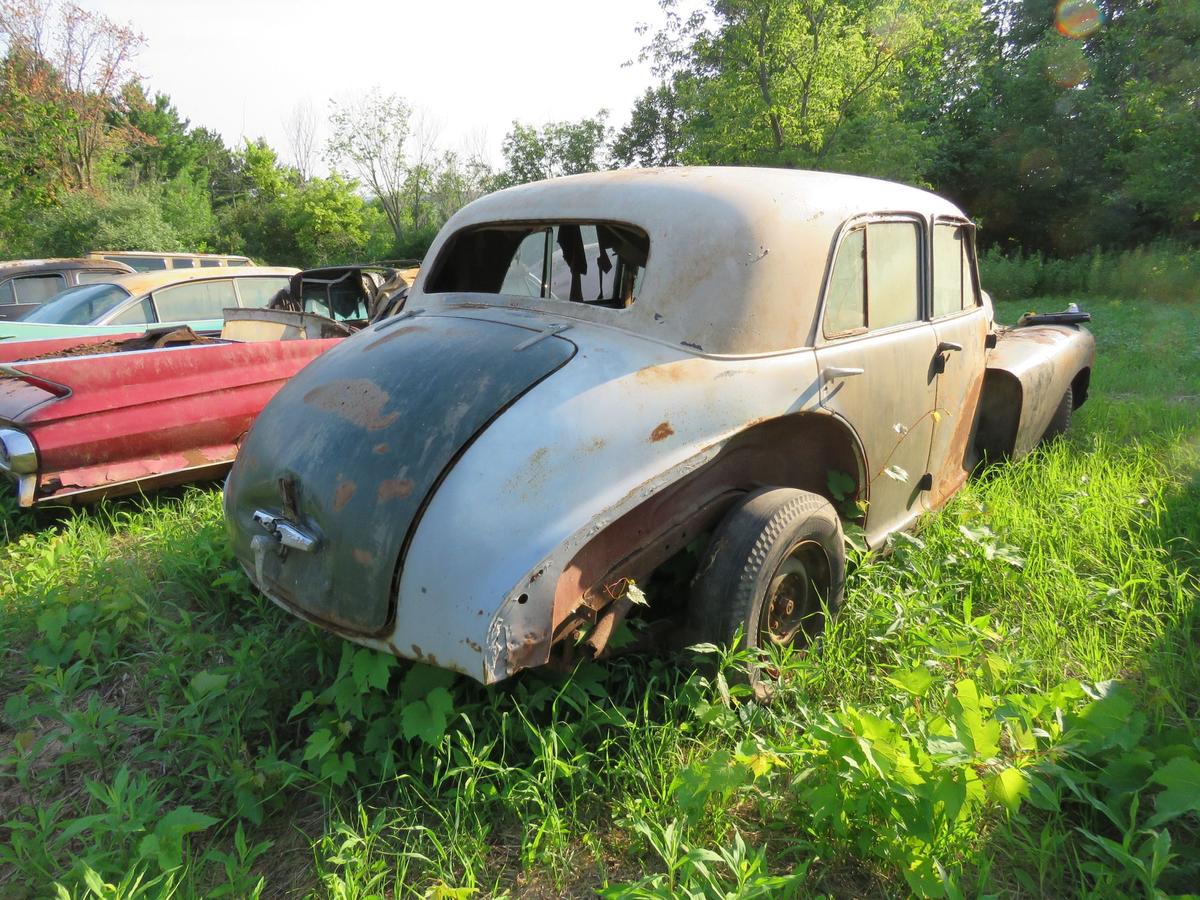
column 241, row 67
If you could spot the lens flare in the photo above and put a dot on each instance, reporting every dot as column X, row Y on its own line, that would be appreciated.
column 1067, row 66
column 1077, row 19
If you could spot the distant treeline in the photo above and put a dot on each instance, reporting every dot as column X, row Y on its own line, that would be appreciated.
column 1063, row 129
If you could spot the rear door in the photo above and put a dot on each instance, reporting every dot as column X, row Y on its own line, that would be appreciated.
column 960, row 326
column 875, row 358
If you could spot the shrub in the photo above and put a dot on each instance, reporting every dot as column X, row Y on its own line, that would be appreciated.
column 1162, row 271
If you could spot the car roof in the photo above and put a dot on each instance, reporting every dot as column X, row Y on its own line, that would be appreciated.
column 23, row 266
column 141, row 282
column 737, row 254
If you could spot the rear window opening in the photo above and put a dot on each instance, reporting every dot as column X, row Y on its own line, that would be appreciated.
column 596, row 263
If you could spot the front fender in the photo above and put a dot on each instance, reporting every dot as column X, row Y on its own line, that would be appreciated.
column 1028, row 372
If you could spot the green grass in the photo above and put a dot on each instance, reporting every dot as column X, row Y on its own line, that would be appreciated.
column 1007, row 705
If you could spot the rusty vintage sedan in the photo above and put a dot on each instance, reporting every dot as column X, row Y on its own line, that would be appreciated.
column 605, row 378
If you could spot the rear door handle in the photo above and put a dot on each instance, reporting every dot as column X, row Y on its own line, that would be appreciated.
column 832, row 372
column 948, row 346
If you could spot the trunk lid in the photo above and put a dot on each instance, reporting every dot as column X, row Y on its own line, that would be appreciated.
column 349, row 450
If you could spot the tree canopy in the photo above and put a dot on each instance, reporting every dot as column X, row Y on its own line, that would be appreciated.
column 1060, row 126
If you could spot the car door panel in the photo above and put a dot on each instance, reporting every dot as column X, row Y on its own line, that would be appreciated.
column 889, row 404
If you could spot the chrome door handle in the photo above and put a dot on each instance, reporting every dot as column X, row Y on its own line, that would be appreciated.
column 948, row 346
column 833, row 372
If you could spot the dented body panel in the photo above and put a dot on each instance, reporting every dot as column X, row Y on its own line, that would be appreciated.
column 527, row 510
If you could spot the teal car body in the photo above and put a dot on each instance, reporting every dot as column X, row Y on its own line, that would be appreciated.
column 127, row 304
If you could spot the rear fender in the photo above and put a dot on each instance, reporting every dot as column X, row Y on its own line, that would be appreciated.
column 798, row 450
column 1028, row 372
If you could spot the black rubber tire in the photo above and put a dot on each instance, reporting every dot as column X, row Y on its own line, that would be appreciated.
column 1062, row 417
column 745, row 556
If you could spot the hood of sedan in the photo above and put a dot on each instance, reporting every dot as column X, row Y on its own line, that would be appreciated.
column 337, row 468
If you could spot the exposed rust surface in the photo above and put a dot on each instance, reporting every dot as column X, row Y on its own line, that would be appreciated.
column 380, row 449
column 179, row 337
column 960, row 457
column 363, row 557
column 342, row 494
column 661, row 432
column 358, row 401
column 394, row 488
column 649, row 534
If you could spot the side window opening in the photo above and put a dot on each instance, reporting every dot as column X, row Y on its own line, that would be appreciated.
column 893, row 274
column 140, row 313
column 876, row 279
column 846, row 309
column 194, row 300
column 38, row 288
column 596, row 263
column 953, row 267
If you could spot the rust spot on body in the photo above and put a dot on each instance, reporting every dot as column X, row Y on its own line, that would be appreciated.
column 393, row 488
column 341, row 496
column 379, row 449
column 661, row 432
column 362, row 557
column 358, row 401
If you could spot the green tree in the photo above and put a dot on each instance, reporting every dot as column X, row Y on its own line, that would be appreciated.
column 790, row 82
column 1083, row 131
column 368, row 141
column 555, row 149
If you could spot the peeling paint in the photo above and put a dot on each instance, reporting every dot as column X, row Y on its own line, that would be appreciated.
column 341, row 496
column 394, row 488
column 358, row 401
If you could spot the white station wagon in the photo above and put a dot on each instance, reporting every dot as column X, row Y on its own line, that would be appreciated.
column 604, row 378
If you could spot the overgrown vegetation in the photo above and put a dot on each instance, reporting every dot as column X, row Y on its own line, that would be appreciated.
column 1160, row 272
column 1007, row 704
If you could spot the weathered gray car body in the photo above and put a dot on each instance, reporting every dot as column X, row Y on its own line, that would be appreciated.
column 467, row 484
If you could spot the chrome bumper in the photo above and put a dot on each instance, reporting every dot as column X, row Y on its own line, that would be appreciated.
column 18, row 460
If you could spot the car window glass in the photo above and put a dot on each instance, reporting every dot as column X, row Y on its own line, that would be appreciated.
column 38, row 288
column 524, row 274
column 951, row 270
column 6, row 292
column 237, row 262
column 194, row 300
column 893, row 284
column 209, row 263
column 258, row 292
column 845, row 308
column 140, row 313
column 141, row 263
column 80, row 305
column 93, row 277
column 182, row 262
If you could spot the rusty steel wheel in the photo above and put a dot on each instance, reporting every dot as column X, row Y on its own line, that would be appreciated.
column 1061, row 420
column 793, row 606
column 772, row 572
